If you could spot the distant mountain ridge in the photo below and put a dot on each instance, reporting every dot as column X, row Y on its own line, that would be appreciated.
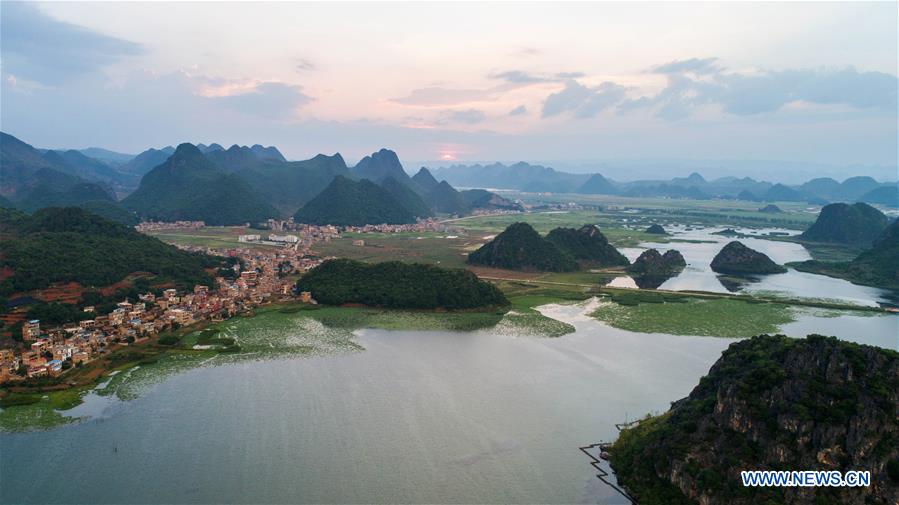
column 536, row 178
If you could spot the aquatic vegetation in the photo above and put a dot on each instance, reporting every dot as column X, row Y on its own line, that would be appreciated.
column 532, row 324
column 37, row 411
column 715, row 318
column 273, row 332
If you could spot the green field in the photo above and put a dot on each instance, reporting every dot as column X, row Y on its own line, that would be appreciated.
column 431, row 248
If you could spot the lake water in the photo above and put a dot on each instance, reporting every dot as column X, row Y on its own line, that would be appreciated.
column 698, row 275
column 415, row 417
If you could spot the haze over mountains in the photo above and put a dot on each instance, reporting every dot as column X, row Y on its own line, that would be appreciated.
column 536, row 178
column 242, row 184
column 230, row 186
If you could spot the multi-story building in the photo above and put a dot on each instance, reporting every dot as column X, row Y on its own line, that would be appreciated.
column 31, row 330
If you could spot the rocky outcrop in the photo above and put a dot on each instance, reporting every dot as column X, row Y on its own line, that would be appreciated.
column 587, row 245
column 772, row 403
column 653, row 263
column 737, row 259
column 656, row 229
column 520, row 247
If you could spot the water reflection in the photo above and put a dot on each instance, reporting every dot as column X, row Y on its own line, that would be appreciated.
column 699, row 247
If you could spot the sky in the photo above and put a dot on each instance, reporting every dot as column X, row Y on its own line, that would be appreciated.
column 803, row 82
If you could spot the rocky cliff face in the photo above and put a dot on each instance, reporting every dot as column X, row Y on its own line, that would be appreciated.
column 773, row 403
column 735, row 258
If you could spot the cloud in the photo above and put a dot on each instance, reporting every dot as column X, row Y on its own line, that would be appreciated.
column 519, row 77
column 695, row 65
column 582, row 101
column 38, row 48
column 268, row 99
column 518, row 111
column 693, row 83
column 304, row 65
column 470, row 116
column 437, row 96
column 527, row 52
column 766, row 92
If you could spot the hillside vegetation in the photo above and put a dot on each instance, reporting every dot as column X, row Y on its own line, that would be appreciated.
column 71, row 244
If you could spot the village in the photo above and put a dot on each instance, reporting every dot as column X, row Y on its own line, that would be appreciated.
column 261, row 275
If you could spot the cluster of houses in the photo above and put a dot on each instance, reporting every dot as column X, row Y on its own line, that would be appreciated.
column 175, row 225
column 49, row 351
column 422, row 225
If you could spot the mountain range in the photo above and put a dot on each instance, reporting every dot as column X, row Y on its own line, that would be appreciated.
column 236, row 185
column 536, row 178
column 189, row 186
column 31, row 179
column 250, row 183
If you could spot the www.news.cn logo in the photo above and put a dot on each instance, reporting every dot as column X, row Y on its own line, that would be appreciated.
column 832, row 478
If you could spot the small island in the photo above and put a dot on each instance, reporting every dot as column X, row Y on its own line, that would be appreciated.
column 656, row 229
column 397, row 285
column 652, row 263
column 737, row 259
column 771, row 209
column 770, row 403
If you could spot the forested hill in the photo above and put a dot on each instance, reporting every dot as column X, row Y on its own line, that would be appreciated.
column 877, row 266
column 354, row 203
column 588, row 245
column 73, row 245
column 857, row 224
column 772, row 403
column 399, row 285
column 189, row 186
column 30, row 179
column 520, row 247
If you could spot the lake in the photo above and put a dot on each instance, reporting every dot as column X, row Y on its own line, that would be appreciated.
column 698, row 275
column 414, row 417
